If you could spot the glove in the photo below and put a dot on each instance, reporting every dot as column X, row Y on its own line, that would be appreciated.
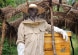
column 61, row 31
column 20, row 48
column 65, row 36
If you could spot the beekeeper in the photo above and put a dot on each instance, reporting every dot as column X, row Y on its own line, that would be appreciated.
column 31, row 31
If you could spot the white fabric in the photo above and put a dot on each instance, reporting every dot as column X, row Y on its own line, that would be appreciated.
column 34, row 38
column 32, row 5
column 20, row 49
column 61, row 31
column 21, row 46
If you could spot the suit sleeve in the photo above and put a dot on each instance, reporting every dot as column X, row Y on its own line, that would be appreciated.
column 20, row 34
column 56, row 29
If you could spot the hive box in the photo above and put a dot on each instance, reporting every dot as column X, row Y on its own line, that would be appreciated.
column 62, row 47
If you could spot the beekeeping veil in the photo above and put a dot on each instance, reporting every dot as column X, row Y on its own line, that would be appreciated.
column 34, row 6
column 33, row 10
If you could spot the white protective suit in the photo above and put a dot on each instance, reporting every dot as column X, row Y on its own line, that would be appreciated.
column 33, row 41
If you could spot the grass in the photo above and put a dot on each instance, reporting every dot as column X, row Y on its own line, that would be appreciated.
column 75, row 44
column 9, row 50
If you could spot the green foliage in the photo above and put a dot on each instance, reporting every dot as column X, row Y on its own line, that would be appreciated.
column 1, row 3
column 75, row 44
column 10, row 2
column 20, row 1
column 7, row 50
column 4, row 3
column 70, row 2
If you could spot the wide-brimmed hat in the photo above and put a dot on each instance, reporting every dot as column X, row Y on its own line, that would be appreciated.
column 40, row 9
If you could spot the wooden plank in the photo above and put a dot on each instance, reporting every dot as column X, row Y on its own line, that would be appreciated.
column 62, row 46
column 57, row 34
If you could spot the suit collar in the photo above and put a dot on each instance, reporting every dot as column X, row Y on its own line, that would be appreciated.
column 36, row 21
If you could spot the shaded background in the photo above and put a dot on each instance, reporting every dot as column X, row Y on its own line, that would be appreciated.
column 11, row 50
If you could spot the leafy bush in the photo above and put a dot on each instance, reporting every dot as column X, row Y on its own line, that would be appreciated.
column 9, row 50
column 4, row 3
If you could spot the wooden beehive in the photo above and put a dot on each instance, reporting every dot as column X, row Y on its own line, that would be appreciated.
column 62, row 47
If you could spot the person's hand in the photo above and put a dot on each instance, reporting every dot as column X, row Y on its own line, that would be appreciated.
column 61, row 31
column 20, row 48
column 65, row 36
